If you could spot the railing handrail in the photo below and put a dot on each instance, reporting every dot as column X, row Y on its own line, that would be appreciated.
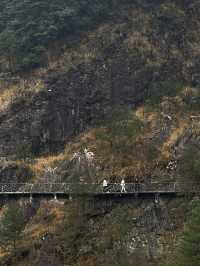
column 88, row 183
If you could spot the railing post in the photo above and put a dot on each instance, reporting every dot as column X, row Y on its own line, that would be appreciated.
column 175, row 187
column 32, row 187
column 31, row 198
column 55, row 197
column 157, row 198
column 51, row 188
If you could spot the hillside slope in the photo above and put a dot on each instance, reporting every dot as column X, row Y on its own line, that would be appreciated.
column 121, row 80
column 134, row 57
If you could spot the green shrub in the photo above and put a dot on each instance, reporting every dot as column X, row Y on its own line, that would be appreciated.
column 26, row 25
column 120, row 130
column 158, row 90
column 11, row 226
column 188, row 253
column 189, row 164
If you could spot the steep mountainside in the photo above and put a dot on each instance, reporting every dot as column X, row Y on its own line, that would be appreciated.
column 133, row 57
column 120, row 79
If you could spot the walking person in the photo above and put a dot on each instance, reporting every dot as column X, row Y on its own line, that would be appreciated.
column 123, row 186
column 105, row 185
column 137, row 185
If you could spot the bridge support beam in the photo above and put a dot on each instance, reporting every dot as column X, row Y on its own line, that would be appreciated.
column 157, row 198
column 31, row 198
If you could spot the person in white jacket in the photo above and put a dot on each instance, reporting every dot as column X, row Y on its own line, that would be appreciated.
column 105, row 185
column 123, row 185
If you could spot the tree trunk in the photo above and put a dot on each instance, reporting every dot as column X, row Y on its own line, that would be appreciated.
column 14, row 244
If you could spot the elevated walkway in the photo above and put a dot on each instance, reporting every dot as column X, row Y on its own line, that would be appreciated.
column 67, row 190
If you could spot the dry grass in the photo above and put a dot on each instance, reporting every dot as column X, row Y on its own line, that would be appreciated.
column 37, row 228
column 89, row 136
column 2, row 210
column 152, row 119
column 35, row 231
column 6, row 97
column 87, row 139
column 9, row 94
column 174, row 136
column 58, row 213
column 48, row 161
column 3, row 253
column 144, row 116
column 140, row 113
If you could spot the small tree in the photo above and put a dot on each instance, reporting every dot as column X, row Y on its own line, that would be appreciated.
column 75, row 229
column 11, row 226
column 120, row 129
column 8, row 47
column 190, row 247
column 112, row 246
column 189, row 165
column 188, row 253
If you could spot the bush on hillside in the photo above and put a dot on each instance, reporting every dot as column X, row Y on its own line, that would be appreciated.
column 11, row 226
column 189, row 164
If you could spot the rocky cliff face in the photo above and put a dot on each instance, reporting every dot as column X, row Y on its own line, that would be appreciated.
column 154, row 228
column 70, row 103
column 152, row 233
column 120, row 64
